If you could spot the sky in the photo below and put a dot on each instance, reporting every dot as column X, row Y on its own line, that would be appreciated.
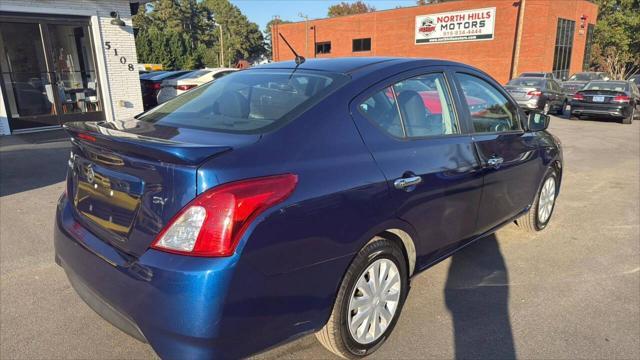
column 261, row 11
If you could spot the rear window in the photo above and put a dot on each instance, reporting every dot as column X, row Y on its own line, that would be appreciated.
column 532, row 75
column 195, row 74
column 607, row 85
column 526, row 82
column 250, row 101
column 583, row 77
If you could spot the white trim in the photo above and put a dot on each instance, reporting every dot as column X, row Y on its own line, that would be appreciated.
column 101, row 61
column 47, row 10
column 36, row 129
column 5, row 129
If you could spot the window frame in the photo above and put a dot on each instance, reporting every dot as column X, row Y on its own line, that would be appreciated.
column 563, row 47
column 323, row 43
column 362, row 42
column 407, row 75
column 466, row 113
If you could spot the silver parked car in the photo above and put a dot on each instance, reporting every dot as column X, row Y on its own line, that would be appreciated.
column 538, row 93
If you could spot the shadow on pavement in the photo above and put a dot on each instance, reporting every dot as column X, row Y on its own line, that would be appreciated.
column 31, row 161
column 477, row 295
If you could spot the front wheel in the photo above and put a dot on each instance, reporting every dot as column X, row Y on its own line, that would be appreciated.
column 537, row 218
column 369, row 301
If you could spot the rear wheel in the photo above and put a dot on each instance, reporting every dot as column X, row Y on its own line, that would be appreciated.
column 629, row 119
column 369, row 301
column 537, row 218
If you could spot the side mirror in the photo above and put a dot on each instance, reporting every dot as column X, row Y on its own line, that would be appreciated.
column 537, row 121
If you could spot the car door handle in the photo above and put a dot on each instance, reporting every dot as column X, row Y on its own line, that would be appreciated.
column 407, row 183
column 495, row 162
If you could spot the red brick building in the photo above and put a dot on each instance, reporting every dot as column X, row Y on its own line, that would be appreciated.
column 501, row 37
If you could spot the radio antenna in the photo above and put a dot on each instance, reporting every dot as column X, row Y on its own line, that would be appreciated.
column 299, row 59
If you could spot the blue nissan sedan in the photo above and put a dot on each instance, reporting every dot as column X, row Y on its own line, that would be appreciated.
column 291, row 199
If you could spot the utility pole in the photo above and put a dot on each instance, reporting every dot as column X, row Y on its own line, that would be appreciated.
column 221, row 44
column 306, row 33
column 517, row 41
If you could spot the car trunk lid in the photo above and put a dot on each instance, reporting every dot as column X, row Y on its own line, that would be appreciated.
column 520, row 92
column 125, row 186
column 600, row 96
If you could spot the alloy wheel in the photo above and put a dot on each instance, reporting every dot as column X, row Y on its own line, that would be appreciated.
column 374, row 301
column 547, row 198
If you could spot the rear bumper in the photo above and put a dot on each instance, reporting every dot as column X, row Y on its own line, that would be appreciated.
column 530, row 104
column 615, row 110
column 172, row 302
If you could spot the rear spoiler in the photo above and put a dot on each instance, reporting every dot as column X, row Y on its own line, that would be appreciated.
column 128, row 143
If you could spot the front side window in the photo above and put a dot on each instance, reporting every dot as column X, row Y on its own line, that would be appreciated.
column 250, row 101
column 413, row 108
column 490, row 110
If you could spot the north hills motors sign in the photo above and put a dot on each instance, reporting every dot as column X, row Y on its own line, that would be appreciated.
column 468, row 25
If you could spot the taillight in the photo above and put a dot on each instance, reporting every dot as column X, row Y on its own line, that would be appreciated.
column 213, row 222
column 86, row 137
column 185, row 87
column 578, row 96
column 534, row 93
column 621, row 99
column 155, row 86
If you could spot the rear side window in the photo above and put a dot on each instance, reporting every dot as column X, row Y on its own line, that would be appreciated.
column 250, row 101
column 490, row 110
column 381, row 108
column 413, row 108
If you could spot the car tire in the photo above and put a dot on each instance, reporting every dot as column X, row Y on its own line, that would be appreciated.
column 629, row 119
column 539, row 215
column 573, row 116
column 336, row 335
column 560, row 111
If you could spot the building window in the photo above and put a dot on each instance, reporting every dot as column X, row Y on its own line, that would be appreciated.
column 587, row 48
column 323, row 48
column 564, row 46
column 361, row 45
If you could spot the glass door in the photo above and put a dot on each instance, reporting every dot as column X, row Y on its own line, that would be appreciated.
column 48, row 72
column 27, row 83
column 73, row 69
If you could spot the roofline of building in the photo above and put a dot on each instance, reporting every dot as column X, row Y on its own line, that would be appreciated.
column 365, row 13
column 385, row 10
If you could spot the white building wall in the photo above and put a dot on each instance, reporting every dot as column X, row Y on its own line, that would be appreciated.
column 120, row 87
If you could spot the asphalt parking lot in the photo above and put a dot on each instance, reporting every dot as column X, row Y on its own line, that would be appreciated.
column 570, row 292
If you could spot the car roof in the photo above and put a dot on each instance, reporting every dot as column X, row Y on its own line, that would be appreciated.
column 353, row 64
column 610, row 81
column 529, row 78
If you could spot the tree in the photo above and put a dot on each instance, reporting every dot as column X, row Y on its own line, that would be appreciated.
column 346, row 8
column 267, row 35
column 242, row 38
column 616, row 44
column 181, row 34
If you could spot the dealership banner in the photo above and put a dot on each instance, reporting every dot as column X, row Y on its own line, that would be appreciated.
column 468, row 25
